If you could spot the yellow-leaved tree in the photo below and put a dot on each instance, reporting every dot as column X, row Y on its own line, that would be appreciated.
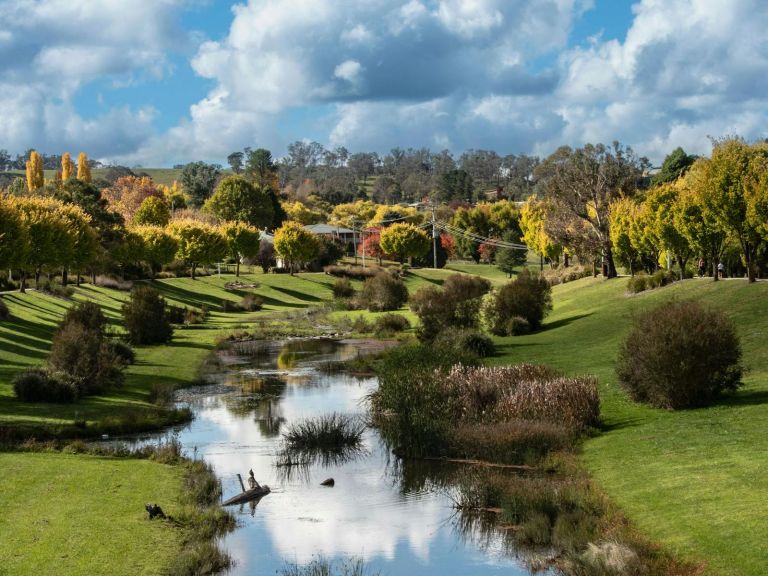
column 67, row 167
column 35, row 177
column 83, row 168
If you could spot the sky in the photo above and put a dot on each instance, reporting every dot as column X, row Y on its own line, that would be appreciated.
column 161, row 82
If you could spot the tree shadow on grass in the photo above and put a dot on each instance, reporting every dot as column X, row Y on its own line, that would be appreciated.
column 268, row 300
column 745, row 398
column 563, row 322
column 298, row 295
column 188, row 297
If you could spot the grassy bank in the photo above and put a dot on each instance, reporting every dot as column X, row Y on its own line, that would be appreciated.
column 691, row 479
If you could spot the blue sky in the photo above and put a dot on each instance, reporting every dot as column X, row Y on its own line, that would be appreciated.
column 159, row 82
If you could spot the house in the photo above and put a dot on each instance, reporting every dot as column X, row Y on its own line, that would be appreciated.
column 346, row 235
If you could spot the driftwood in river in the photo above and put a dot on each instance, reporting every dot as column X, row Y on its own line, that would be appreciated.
column 247, row 495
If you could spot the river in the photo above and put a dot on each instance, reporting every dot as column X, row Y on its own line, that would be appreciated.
column 398, row 517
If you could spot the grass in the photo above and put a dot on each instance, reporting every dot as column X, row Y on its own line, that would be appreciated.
column 85, row 514
column 693, row 480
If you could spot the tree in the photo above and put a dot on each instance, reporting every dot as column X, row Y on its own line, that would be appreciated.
column 662, row 205
column 353, row 214
column 534, row 233
column 235, row 161
column 295, row 245
column 174, row 197
column 199, row 243
column 238, row 200
column 127, row 194
column 85, row 241
column 582, row 183
column 507, row 259
column 153, row 211
column 370, row 246
column 299, row 212
column 455, row 185
column 623, row 215
column 261, row 168
column 83, row 168
column 159, row 247
column 242, row 241
column 405, row 241
column 35, row 177
column 67, row 167
column 675, row 165
column 13, row 235
column 146, row 318
column 199, row 181
column 50, row 242
column 735, row 193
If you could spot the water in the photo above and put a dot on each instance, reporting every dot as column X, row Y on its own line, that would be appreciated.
column 397, row 516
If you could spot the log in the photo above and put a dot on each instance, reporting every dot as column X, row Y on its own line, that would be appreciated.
column 248, row 495
column 241, row 482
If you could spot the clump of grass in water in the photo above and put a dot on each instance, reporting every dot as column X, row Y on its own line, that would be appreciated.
column 324, row 567
column 329, row 432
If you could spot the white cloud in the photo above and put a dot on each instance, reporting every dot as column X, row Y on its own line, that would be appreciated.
column 468, row 18
column 348, row 70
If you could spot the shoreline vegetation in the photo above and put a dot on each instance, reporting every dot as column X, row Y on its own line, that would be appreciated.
column 577, row 492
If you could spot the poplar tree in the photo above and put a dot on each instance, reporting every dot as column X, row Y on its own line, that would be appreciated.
column 83, row 168
column 35, row 177
column 67, row 166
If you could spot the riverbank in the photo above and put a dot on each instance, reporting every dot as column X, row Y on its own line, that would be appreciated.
column 692, row 479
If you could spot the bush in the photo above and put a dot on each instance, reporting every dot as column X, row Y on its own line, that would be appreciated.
column 389, row 323
column 251, row 303
column 57, row 290
column 193, row 316
column 145, row 317
column 680, row 355
column 5, row 313
column 362, row 325
column 41, row 385
column 175, row 314
column 529, row 297
column 343, row 288
column 561, row 275
column 86, row 356
column 637, row 283
column 471, row 340
column 383, row 292
column 114, row 283
column 456, row 305
column 517, row 325
column 353, row 272
column 122, row 351
column 229, row 306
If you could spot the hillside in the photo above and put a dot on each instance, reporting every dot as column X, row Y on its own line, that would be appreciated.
column 693, row 480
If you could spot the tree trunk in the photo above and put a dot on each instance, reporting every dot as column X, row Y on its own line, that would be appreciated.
column 749, row 253
column 237, row 268
column 64, row 276
column 37, row 278
column 715, row 271
column 682, row 262
column 565, row 260
column 193, row 270
column 77, row 280
column 93, row 276
column 609, row 260
column 23, row 282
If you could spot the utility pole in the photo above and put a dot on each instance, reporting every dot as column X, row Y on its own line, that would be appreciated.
column 434, row 240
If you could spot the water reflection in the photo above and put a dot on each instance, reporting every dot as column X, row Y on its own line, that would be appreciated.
column 398, row 515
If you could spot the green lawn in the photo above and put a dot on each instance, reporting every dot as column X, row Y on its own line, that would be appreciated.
column 66, row 514
column 25, row 339
column 693, row 480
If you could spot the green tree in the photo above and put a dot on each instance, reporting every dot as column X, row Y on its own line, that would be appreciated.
column 675, row 165
column 159, row 246
column 153, row 211
column 295, row 245
column 261, row 168
column 582, row 183
column 199, row 181
column 735, row 193
column 455, row 185
column 507, row 259
column 13, row 235
column 235, row 161
column 662, row 205
column 199, row 243
column 50, row 242
column 404, row 241
column 243, row 241
column 85, row 241
column 236, row 199
column 533, row 216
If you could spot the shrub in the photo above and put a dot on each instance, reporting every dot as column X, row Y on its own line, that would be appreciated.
column 175, row 314
column 114, row 283
column 122, row 351
column 88, row 314
column 637, row 283
column 384, row 292
column 680, row 355
column 518, row 325
column 57, row 290
column 5, row 313
column 456, row 305
column 343, row 288
column 529, row 297
column 229, row 306
column 512, row 442
column 145, row 317
column 193, row 316
column 352, row 272
column 251, row 303
column 561, row 275
column 470, row 340
column 362, row 325
column 389, row 323
column 41, row 385
column 85, row 355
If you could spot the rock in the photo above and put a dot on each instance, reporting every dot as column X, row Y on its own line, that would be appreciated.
column 329, row 482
